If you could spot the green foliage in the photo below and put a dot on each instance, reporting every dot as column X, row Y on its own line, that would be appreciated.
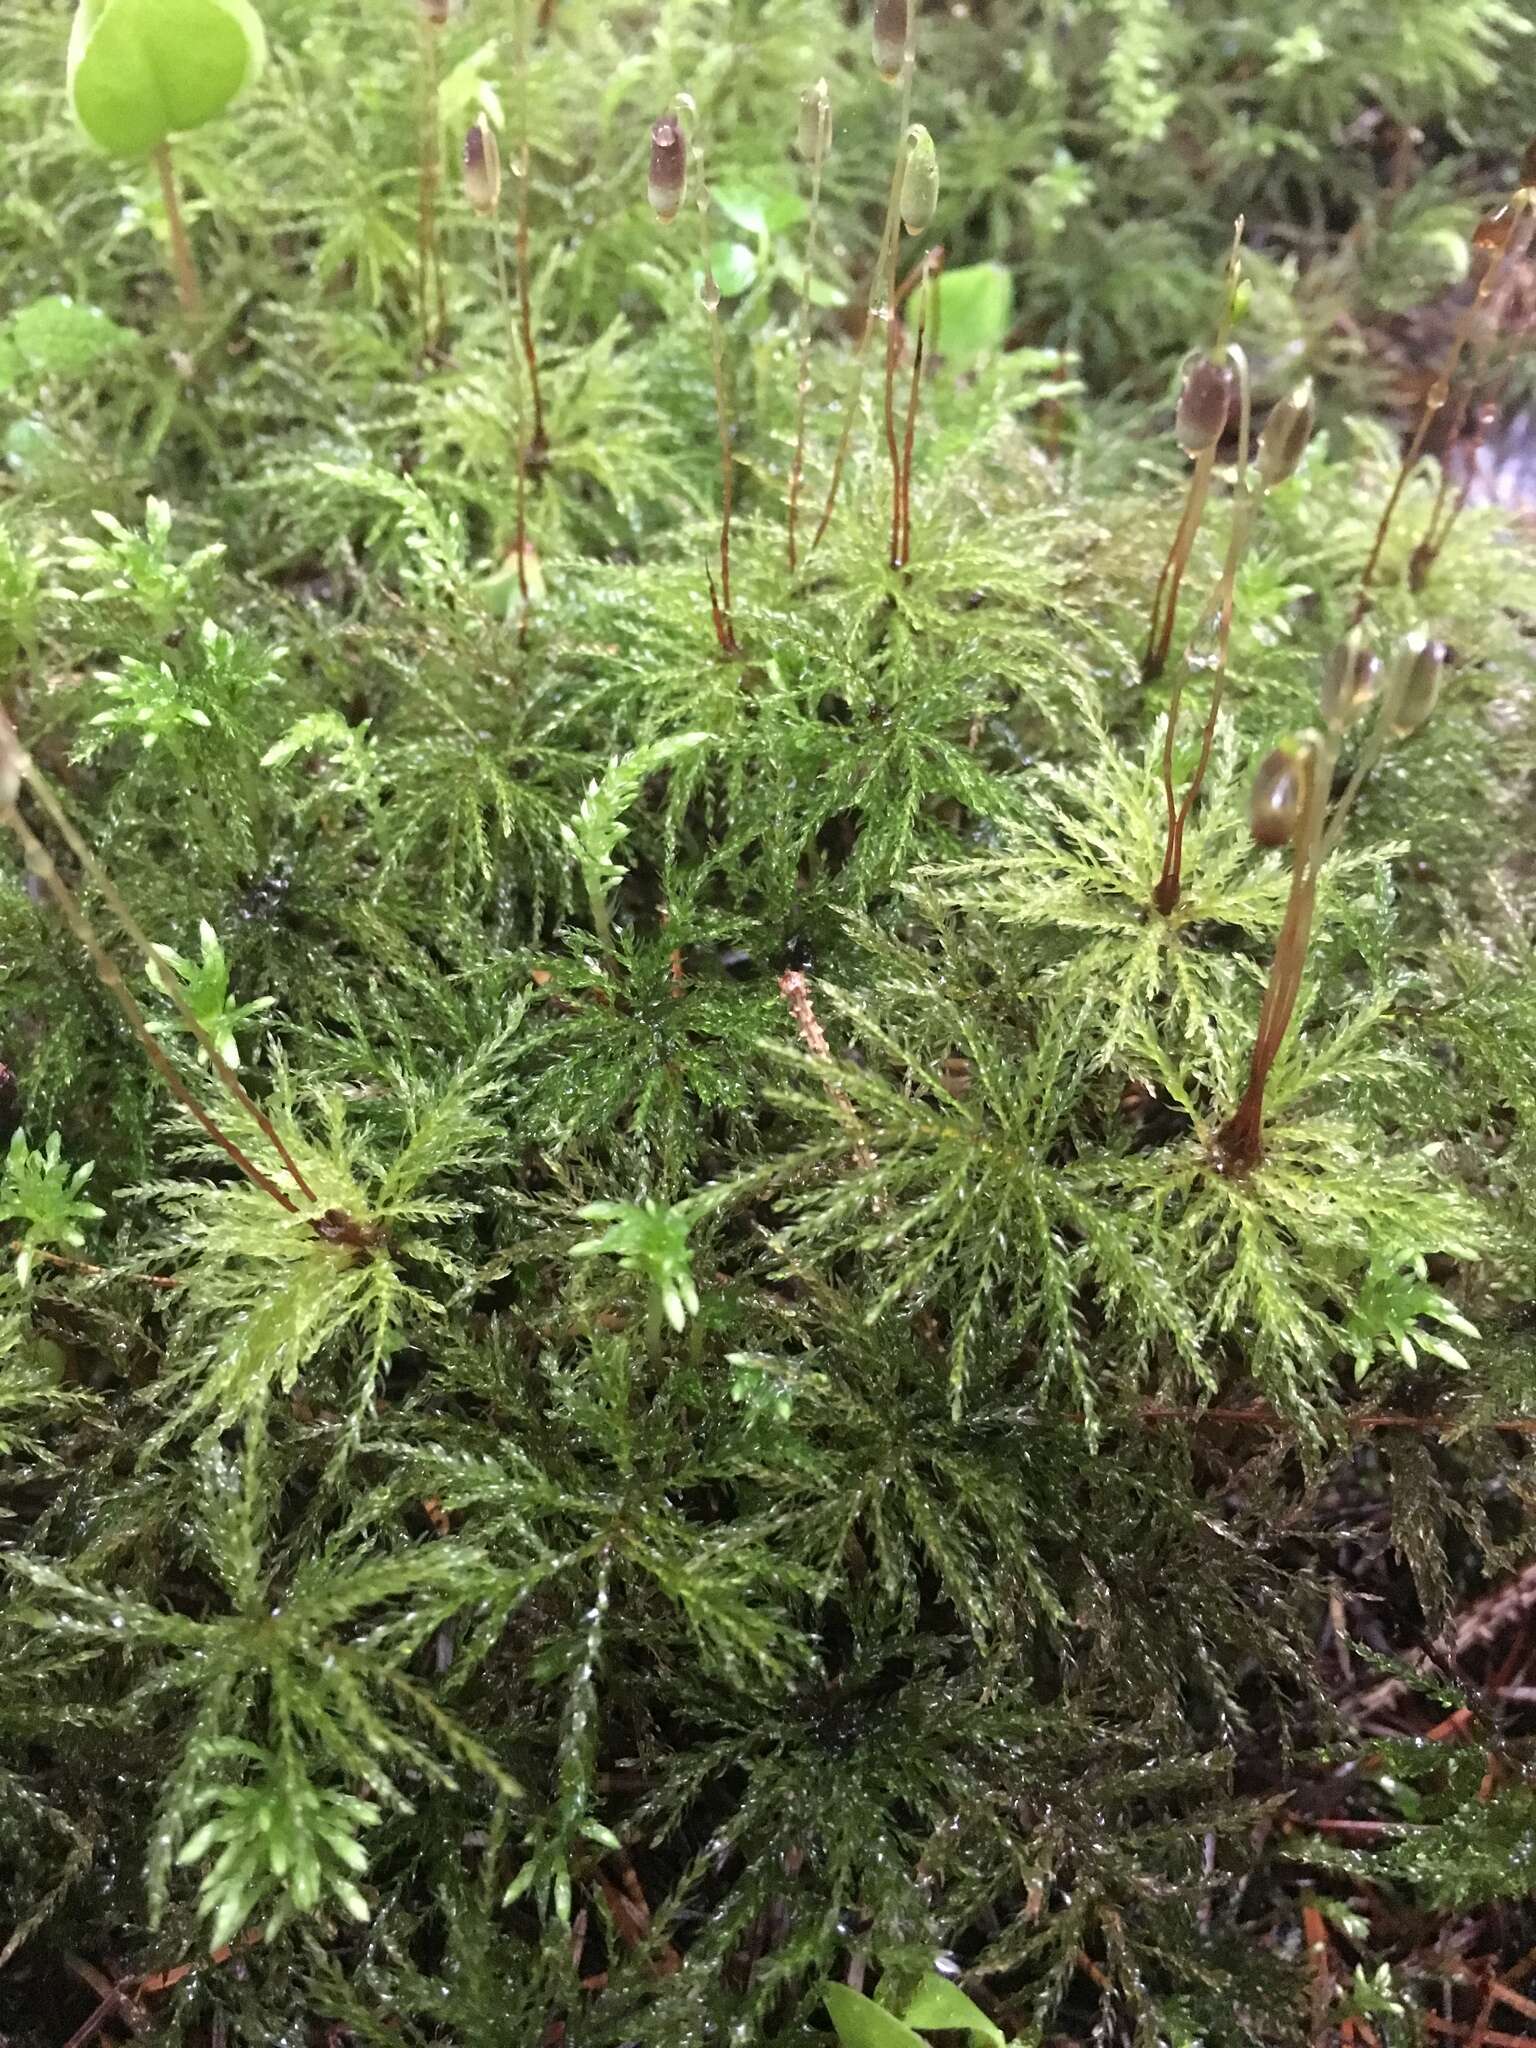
column 142, row 70
column 40, row 1192
column 746, row 1444
column 205, row 989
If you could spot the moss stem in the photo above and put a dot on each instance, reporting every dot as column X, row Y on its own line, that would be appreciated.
column 189, row 288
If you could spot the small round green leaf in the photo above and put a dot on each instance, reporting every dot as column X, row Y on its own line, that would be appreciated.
column 860, row 2023
column 142, row 70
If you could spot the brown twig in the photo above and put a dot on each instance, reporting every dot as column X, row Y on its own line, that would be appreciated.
column 69, row 1265
column 795, row 988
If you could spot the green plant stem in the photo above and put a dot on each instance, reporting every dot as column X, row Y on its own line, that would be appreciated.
column 189, row 287
column 877, row 307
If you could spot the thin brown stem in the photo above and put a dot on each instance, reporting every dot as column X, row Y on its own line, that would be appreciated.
column 1239, row 1145
column 520, row 528
column 892, row 444
column 1165, row 599
column 877, row 306
column 90, row 866
column 430, row 283
column 719, row 600
column 189, row 287
column 1494, row 265
column 803, row 351
column 933, row 263
column 1170, row 883
column 537, row 454
column 43, row 866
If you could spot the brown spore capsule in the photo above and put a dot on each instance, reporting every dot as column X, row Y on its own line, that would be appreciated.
column 667, row 184
column 1205, row 403
column 1274, row 804
column 1528, row 166
column 1423, row 672
column 435, row 13
column 891, row 34
column 1349, row 682
column 482, row 168
column 1286, row 434
column 1493, row 231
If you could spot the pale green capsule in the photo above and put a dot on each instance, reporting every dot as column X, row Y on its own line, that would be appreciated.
column 1421, row 673
column 919, row 181
column 814, row 137
column 1349, row 682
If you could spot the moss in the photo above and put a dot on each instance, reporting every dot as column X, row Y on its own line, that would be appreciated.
column 719, row 1426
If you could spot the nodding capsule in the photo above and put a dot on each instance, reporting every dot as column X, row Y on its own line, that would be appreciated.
column 1205, row 401
column 1422, row 664
column 919, row 181
column 1286, row 434
column 1493, row 231
column 668, row 181
column 435, row 13
column 1349, row 682
column 482, row 168
column 813, row 139
column 1274, row 804
column 891, row 37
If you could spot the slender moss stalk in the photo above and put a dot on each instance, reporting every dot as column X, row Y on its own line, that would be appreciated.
column 1281, row 447
column 433, row 306
column 879, row 304
column 15, row 770
column 482, row 188
column 1239, row 1144
column 901, row 550
column 189, row 288
column 1205, row 401
column 815, row 136
column 709, row 295
column 1500, row 243
column 1411, row 692
column 535, row 455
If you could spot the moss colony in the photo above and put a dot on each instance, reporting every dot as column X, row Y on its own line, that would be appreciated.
column 740, row 1302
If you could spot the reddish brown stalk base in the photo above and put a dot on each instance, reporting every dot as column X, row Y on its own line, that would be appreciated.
column 1165, row 597
column 1238, row 1146
column 901, row 505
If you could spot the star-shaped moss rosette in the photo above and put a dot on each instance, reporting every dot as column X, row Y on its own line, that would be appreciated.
column 141, row 71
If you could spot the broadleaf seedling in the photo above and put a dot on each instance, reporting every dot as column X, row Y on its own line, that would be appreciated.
column 141, row 71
